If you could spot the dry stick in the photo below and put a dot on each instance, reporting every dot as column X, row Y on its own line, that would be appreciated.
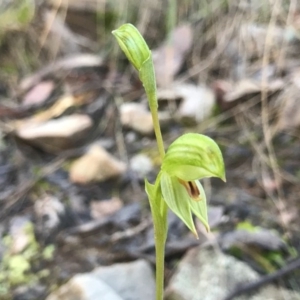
column 203, row 65
column 29, row 184
column 254, row 286
column 49, row 25
column 265, row 113
column 289, row 20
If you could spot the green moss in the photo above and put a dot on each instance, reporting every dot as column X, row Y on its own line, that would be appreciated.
column 267, row 260
column 247, row 226
column 48, row 252
column 16, row 268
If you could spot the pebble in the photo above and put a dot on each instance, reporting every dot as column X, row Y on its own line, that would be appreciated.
column 206, row 274
column 84, row 287
column 124, row 281
column 97, row 165
column 136, row 116
column 197, row 105
column 141, row 164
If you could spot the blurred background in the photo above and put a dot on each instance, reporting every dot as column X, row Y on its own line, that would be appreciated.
column 77, row 141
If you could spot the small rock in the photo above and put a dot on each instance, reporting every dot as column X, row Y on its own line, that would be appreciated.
column 204, row 274
column 137, row 117
column 141, row 164
column 19, row 233
column 39, row 94
column 215, row 215
column 133, row 281
column 262, row 238
column 55, row 135
column 84, row 287
column 198, row 103
column 126, row 281
column 100, row 209
column 48, row 211
column 96, row 165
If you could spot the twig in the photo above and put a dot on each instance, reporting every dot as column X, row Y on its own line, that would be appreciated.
column 29, row 184
column 254, row 286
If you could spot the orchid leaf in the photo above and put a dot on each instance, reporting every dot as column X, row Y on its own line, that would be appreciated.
column 157, row 205
column 151, row 192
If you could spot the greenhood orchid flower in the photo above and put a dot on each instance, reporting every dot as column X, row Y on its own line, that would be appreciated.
column 189, row 158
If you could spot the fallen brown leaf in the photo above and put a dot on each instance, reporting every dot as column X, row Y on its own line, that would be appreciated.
column 169, row 57
column 55, row 135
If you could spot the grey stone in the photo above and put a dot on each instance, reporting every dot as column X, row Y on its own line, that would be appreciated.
column 209, row 275
column 84, row 287
column 215, row 215
column 262, row 238
column 133, row 281
column 141, row 164
column 124, row 281
column 197, row 105
column 136, row 116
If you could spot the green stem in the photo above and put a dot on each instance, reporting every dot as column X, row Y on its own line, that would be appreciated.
column 160, row 234
column 159, row 220
column 147, row 76
column 158, row 136
column 138, row 53
column 160, row 262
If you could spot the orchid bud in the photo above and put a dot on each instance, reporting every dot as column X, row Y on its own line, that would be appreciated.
column 133, row 45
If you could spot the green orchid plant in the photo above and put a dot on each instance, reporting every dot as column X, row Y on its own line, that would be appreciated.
column 189, row 158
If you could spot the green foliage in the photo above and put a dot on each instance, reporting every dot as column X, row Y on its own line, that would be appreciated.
column 246, row 225
column 48, row 252
column 18, row 16
column 15, row 268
